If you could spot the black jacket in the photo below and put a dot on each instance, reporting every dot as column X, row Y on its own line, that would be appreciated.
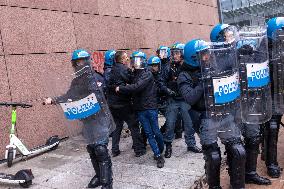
column 144, row 90
column 106, row 74
column 161, row 88
column 169, row 79
column 120, row 75
column 191, row 89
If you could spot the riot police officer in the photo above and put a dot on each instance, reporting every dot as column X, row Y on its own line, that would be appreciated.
column 206, row 72
column 96, row 127
column 176, row 104
column 275, row 27
column 109, row 61
column 248, row 53
column 164, row 53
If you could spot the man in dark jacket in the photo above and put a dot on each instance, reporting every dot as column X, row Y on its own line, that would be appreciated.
column 121, row 106
column 144, row 90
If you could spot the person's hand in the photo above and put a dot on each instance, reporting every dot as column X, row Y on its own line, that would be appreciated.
column 172, row 93
column 117, row 89
column 48, row 101
column 99, row 84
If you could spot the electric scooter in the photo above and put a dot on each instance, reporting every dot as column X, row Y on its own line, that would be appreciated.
column 16, row 144
column 23, row 178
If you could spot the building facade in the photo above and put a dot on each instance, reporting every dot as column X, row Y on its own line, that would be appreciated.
column 250, row 12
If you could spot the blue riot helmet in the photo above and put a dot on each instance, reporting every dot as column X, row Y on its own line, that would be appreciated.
column 224, row 33
column 80, row 57
column 273, row 25
column 154, row 61
column 177, row 51
column 192, row 50
column 163, row 52
column 109, row 58
column 138, row 60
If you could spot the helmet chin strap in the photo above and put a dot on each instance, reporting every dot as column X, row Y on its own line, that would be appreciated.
column 80, row 70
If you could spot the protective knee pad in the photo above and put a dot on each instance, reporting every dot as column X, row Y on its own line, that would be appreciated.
column 91, row 150
column 212, row 156
column 252, row 144
column 237, row 158
column 101, row 153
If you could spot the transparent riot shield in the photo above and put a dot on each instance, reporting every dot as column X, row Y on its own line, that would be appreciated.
column 219, row 68
column 84, row 100
column 256, row 103
column 276, row 58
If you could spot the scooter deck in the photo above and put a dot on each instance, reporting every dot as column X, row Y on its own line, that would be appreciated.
column 20, row 156
column 7, row 176
column 10, row 179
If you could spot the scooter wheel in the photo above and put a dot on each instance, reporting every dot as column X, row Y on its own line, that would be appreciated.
column 25, row 175
column 52, row 140
column 10, row 157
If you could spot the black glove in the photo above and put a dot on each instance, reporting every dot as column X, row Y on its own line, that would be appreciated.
column 246, row 50
column 196, row 78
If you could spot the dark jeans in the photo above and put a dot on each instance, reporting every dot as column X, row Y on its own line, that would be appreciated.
column 149, row 121
column 126, row 114
column 196, row 120
column 173, row 108
column 179, row 124
column 179, row 128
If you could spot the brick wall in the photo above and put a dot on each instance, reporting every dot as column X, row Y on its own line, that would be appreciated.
column 38, row 36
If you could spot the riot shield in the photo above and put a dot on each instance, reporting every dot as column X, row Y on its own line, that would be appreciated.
column 256, row 103
column 220, row 76
column 84, row 100
column 276, row 58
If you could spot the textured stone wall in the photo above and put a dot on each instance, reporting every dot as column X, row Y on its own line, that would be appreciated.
column 38, row 36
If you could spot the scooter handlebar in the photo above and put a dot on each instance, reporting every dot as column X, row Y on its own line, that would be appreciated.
column 15, row 104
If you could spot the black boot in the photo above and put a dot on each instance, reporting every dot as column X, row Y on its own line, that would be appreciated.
column 168, row 151
column 105, row 165
column 212, row 157
column 95, row 182
column 106, row 174
column 236, row 156
column 178, row 135
column 160, row 161
column 271, row 140
column 252, row 147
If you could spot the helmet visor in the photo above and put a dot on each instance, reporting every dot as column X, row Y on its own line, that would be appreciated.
column 137, row 62
column 163, row 53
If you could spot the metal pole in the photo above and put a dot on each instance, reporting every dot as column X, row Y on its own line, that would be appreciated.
column 221, row 20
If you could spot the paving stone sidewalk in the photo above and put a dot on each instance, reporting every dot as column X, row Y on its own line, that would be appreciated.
column 69, row 167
